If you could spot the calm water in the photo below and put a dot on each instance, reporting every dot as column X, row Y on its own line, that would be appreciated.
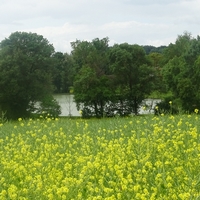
column 68, row 106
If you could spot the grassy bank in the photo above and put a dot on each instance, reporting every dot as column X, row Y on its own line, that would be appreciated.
column 121, row 158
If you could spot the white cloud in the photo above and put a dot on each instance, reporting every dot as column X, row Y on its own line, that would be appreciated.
column 153, row 22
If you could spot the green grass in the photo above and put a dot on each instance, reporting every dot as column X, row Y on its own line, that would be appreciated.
column 144, row 157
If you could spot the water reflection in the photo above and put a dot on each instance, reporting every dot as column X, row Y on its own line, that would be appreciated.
column 68, row 106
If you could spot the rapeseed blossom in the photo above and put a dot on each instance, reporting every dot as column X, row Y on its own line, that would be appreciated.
column 196, row 110
column 130, row 158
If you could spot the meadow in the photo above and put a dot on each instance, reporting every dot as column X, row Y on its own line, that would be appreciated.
column 139, row 157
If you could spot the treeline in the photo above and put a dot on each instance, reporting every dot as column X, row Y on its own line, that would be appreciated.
column 104, row 79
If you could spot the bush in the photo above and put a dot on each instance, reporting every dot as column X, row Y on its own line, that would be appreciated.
column 49, row 107
column 167, row 106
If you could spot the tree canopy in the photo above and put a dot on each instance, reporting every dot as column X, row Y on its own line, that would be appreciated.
column 111, row 78
column 133, row 73
column 92, row 82
column 181, row 71
column 105, row 79
column 25, row 72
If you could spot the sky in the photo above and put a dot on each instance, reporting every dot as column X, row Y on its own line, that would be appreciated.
column 142, row 22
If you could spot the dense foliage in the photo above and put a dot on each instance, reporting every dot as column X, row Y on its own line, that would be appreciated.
column 92, row 84
column 151, row 49
column 182, row 71
column 133, row 73
column 105, row 80
column 111, row 79
column 25, row 72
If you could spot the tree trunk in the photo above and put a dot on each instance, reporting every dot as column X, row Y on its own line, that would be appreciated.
column 95, row 109
column 101, row 108
column 135, row 106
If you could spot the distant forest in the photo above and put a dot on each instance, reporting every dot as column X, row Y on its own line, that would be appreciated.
column 151, row 49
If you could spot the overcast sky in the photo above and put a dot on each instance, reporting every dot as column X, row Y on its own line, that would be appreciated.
column 143, row 22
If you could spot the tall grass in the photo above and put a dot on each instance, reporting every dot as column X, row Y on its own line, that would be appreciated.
column 121, row 158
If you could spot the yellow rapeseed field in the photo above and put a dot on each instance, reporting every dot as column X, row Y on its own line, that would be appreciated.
column 147, row 158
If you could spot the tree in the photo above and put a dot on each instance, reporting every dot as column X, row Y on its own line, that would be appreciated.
column 133, row 73
column 178, row 49
column 49, row 107
column 91, row 86
column 91, row 91
column 181, row 72
column 151, row 49
column 25, row 72
column 68, row 73
column 63, row 72
column 156, row 60
column 80, row 52
column 57, row 71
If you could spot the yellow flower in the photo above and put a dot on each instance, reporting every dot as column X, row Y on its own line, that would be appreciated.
column 19, row 119
column 196, row 110
column 170, row 102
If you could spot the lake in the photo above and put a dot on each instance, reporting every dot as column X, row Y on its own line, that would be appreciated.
column 68, row 106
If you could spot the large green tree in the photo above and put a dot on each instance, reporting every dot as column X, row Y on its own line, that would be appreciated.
column 181, row 71
column 92, row 83
column 25, row 72
column 63, row 72
column 133, row 73
column 58, row 69
column 157, row 60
